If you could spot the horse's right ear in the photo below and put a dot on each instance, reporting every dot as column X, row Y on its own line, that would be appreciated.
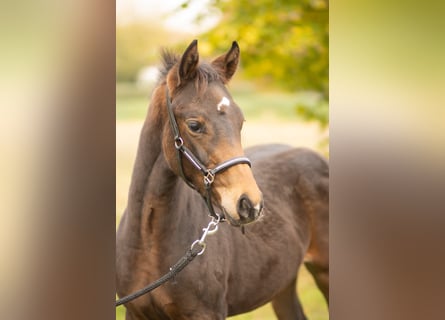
column 189, row 62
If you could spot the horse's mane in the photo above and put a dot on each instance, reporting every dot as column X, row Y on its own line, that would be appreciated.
column 205, row 73
column 169, row 59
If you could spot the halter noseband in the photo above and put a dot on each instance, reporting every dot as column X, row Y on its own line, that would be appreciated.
column 208, row 174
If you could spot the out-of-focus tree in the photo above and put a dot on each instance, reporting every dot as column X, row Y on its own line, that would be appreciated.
column 132, row 51
column 138, row 46
column 284, row 43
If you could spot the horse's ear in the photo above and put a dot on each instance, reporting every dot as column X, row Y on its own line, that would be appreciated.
column 227, row 63
column 189, row 62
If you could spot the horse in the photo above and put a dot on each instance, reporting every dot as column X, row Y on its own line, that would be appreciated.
column 273, row 198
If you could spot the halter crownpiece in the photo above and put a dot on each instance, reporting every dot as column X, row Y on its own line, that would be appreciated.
column 208, row 174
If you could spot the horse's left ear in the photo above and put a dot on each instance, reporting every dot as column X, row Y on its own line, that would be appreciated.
column 227, row 63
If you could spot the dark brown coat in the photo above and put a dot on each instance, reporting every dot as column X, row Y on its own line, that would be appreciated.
column 237, row 273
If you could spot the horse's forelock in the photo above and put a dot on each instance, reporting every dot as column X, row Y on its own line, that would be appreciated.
column 205, row 74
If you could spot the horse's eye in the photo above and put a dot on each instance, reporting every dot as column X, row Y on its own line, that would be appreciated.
column 195, row 126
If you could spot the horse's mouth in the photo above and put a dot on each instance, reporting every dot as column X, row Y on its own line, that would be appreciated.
column 229, row 218
column 237, row 223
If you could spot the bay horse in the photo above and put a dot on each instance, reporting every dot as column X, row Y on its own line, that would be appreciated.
column 280, row 201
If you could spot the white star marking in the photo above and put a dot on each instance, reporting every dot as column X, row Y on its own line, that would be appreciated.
column 223, row 103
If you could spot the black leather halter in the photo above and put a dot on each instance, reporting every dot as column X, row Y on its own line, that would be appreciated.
column 208, row 174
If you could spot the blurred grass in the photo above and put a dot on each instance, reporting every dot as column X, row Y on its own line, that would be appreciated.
column 311, row 299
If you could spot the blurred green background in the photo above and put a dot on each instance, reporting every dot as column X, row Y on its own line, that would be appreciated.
column 281, row 84
column 284, row 45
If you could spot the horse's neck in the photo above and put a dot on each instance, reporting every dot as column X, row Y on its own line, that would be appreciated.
column 153, row 185
column 149, row 150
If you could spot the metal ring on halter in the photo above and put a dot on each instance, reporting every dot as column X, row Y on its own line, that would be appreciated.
column 179, row 142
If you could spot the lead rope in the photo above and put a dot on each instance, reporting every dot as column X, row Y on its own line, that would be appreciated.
column 196, row 249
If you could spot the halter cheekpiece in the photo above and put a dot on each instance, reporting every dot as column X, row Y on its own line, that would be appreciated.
column 208, row 174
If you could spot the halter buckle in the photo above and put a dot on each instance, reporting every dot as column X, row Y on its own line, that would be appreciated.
column 209, row 178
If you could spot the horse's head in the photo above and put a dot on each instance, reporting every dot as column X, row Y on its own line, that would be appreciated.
column 209, row 123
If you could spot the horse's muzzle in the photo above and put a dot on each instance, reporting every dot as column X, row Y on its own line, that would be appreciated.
column 239, row 195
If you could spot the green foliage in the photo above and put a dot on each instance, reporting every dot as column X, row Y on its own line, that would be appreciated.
column 318, row 111
column 284, row 44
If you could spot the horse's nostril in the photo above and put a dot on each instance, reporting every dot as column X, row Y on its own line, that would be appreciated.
column 244, row 206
